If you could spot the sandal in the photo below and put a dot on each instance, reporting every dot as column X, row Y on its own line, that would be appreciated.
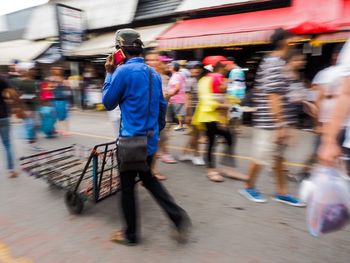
column 119, row 237
column 159, row 177
column 214, row 176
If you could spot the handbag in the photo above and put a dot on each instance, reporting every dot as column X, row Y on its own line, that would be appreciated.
column 132, row 151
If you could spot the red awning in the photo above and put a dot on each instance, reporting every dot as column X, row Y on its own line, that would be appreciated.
column 313, row 28
column 252, row 27
column 345, row 16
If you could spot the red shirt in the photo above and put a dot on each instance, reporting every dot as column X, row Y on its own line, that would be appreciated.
column 218, row 80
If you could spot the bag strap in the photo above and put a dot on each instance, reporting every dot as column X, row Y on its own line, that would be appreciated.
column 149, row 98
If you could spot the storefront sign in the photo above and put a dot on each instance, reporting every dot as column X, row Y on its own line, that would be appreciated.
column 71, row 27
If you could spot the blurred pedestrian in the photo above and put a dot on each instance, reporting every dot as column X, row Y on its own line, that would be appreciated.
column 128, row 85
column 191, row 152
column 327, row 84
column 329, row 150
column 29, row 94
column 176, row 95
column 5, row 126
column 159, row 63
column 211, row 115
column 13, row 72
column 236, row 89
column 61, row 99
column 75, row 82
column 236, row 85
column 273, row 121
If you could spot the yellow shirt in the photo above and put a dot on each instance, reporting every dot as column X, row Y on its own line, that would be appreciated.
column 206, row 108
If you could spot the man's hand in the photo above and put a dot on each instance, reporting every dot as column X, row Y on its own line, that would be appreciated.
column 310, row 109
column 109, row 65
column 328, row 153
column 281, row 135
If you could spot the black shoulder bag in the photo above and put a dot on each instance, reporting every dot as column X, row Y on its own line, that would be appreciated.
column 132, row 151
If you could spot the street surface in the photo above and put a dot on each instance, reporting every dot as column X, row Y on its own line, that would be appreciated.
column 35, row 225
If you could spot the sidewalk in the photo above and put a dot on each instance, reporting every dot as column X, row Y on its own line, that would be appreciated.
column 35, row 224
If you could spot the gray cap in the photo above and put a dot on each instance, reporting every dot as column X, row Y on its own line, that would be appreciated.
column 128, row 37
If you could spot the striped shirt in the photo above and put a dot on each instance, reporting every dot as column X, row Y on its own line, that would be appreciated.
column 271, row 79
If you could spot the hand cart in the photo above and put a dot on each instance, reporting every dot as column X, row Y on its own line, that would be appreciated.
column 84, row 176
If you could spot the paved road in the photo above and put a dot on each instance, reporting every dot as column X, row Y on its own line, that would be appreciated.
column 36, row 227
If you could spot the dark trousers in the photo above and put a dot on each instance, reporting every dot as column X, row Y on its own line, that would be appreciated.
column 212, row 131
column 158, row 191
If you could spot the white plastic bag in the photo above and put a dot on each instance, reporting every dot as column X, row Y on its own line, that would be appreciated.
column 327, row 196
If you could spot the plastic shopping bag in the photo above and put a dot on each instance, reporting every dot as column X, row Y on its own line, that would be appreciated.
column 327, row 196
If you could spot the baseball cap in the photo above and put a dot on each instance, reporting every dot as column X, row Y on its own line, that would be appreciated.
column 213, row 60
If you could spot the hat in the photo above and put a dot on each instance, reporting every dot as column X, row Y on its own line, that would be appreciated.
column 194, row 64
column 182, row 62
column 128, row 37
column 26, row 66
column 213, row 60
column 165, row 59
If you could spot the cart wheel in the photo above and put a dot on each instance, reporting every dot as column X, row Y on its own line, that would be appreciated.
column 74, row 202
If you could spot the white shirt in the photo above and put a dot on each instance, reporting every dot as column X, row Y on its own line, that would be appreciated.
column 344, row 63
column 329, row 80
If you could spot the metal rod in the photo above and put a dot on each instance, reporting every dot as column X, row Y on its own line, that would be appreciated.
column 103, row 166
column 44, row 153
column 95, row 178
column 49, row 162
column 85, row 168
column 46, row 157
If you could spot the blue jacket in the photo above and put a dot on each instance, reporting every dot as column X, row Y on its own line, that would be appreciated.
column 128, row 87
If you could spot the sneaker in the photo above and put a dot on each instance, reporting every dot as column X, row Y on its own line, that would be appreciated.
column 178, row 128
column 167, row 158
column 186, row 157
column 12, row 174
column 197, row 160
column 289, row 200
column 36, row 148
column 252, row 194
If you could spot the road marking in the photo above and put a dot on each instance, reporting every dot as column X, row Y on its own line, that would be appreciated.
column 6, row 257
column 183, row 148
column 92, row 135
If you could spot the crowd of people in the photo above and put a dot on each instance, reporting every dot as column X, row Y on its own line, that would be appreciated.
column 202, row 95
column 41, row 105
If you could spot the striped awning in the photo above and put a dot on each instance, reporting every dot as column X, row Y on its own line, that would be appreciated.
column 207, row 41
column 252, row 27
column 337, row 37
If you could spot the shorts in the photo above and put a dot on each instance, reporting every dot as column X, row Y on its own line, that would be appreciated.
column 179, row 109
column 265, row 149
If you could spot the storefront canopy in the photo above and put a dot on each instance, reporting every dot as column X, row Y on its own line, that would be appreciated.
column 22, row 50
column 343, row 26
column 104, row 44
column 190, row 5
column 345, row 16
column 251, row 28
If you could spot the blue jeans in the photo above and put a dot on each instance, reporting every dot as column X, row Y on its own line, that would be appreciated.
column 6, row 140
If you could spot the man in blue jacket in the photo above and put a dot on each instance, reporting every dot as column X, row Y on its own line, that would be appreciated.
column 127, row 85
